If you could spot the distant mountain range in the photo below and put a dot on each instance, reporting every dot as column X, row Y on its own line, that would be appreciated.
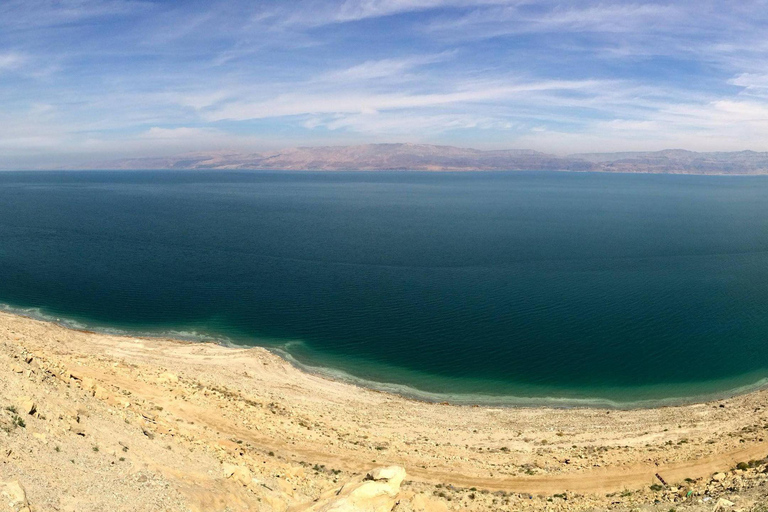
column 423, row 157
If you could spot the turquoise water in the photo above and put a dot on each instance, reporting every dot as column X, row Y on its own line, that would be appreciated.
column 510, row 288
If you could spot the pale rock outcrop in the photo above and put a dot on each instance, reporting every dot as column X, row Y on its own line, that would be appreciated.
column 88, row 383
column 26, row 405
column 100, row 392
column 13, row 497
column 239, row 474
column 375, row 492
column 723, row 505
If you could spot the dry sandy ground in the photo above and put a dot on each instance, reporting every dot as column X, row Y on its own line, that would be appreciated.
column 123, row 423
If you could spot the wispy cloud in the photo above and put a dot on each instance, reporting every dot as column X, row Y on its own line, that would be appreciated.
column 299, row 104
column 516, row 19
column 10, row 61
column 385, row 68
column 46, row 13
column 138, row 77
column 321, row 13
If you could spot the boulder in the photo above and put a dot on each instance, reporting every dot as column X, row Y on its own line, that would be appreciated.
column 13, row 497
column 718, row 477
column 375, row 492
column 26, row 405
column 100, row 392
column 239, row 474
column 88, row 383
column 722, row 505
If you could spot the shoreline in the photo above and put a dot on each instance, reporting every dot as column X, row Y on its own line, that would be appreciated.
column 249, row 407
column 400, row 390
column 513, row 401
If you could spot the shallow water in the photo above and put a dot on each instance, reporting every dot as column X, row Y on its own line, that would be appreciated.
column 501, row 287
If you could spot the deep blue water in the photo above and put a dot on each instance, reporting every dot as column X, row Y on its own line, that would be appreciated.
column 525, row 285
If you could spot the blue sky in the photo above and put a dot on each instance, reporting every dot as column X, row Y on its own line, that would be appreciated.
column 88, row 80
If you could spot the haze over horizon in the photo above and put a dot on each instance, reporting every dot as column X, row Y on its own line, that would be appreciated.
column 107, row 79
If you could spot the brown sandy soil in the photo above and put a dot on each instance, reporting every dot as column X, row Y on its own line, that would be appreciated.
column 124, row 423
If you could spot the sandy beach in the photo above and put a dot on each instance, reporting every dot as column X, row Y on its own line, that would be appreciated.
column 157, row 424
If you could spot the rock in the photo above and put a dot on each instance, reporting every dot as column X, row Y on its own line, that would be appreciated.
column 718, row 477
column 242, row 475
column 239, row 474
column 76, row 428
column 376, row 492
column 100, row 393
column 425, row 503
column 26, row 405
column 122, row 402
column 17, row 369
column 384, row 473
column 722, row 505
column 13, row 497
column 88, row 383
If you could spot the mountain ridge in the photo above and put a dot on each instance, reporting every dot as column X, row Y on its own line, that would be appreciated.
column 427, row 157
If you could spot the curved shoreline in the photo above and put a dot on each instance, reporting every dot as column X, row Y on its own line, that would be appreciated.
column 483, row 400
column 204, row 394
column 404, row 390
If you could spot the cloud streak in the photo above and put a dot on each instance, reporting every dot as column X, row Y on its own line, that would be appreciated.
column 94, row 78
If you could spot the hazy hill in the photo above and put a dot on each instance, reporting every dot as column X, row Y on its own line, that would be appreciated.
column 680, row 161
column 424, row 157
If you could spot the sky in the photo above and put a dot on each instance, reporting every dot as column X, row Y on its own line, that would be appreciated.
column 91, row 80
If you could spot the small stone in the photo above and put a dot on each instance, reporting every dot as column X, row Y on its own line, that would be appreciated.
column 75, row 428
column 718, row 477
column 27, row 405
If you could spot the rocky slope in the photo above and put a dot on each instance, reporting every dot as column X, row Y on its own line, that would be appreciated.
column 93, row 422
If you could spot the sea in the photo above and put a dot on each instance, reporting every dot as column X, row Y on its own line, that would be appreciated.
column 493, row 288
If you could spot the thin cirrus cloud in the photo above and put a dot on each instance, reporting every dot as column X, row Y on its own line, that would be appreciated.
column 330, row 102
column 130, row 78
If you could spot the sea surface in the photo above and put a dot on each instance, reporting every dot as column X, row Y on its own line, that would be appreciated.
column 514, row 288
